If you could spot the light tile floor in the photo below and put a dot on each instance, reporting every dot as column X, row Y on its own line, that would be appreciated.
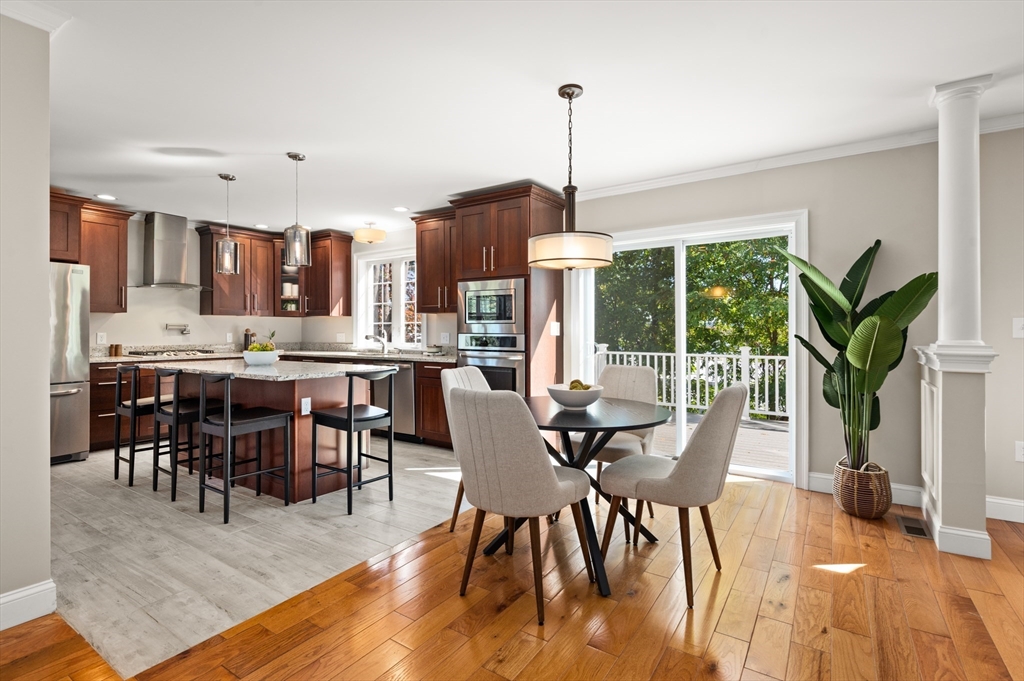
column 143, row 579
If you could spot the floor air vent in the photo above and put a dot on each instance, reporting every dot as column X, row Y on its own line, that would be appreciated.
column 913, row 527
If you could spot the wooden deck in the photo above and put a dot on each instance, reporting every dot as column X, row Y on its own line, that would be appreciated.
column 905, row 611
column 759, row 444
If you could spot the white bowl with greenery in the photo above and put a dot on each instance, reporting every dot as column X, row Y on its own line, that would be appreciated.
column 262, row 353
column 575, row 399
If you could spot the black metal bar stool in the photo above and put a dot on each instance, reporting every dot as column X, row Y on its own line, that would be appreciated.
column 174, row 414
column 228, row 427
column 356, row 418
column 133, row 408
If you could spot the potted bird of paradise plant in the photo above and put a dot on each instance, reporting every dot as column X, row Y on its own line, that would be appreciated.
column 870, row 342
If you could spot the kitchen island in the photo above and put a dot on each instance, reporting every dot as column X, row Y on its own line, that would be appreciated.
column 282, row 385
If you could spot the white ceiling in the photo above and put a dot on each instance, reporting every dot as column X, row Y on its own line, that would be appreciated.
column 404, row 103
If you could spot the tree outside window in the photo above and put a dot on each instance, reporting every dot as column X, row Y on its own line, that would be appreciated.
column 393, row 285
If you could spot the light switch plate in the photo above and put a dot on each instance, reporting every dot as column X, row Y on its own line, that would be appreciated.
column 228, row 337
column 339, row 337
column 1018, row 327
column 307, row 405
column 556, row 329
column 101, row 338
column 1018, row 453
column 446, row 338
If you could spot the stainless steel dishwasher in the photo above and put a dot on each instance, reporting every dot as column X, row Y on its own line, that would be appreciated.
column 405, row 399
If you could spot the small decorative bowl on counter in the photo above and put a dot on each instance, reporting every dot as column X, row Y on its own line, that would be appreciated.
column 261, row 358
column 575, row 400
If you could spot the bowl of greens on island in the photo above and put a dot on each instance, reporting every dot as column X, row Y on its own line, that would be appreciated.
column 261, row 353
column 576, row 396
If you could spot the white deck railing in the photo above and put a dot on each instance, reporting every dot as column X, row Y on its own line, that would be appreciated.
column 707, row 373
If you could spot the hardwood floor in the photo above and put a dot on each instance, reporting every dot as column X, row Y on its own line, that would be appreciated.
column 909, row 612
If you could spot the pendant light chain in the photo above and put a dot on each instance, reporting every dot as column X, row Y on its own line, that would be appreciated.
column 570, row 137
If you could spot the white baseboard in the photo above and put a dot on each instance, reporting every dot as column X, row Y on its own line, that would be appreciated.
column 27, row 603
column 963, row 542
column 1002, row 508
column 905, row 495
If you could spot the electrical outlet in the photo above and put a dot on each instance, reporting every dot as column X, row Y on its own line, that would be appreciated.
column 1018, row 453
column 228, row 337
column 446, row 338
column 101, row 338
column 339, row 337
column 1018, row 327
column 556, row 329
column 307, row 405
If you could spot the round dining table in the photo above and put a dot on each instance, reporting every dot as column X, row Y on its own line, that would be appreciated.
column 598, row 424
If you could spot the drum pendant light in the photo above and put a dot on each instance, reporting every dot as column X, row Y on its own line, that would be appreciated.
column 227, row 248
column 569, row 249
column 296, row 238
column 369, row 234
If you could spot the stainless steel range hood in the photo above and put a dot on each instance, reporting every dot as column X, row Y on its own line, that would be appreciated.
column 165, row 259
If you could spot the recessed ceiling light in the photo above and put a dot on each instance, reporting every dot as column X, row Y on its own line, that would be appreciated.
column 401, row 209
column 105, row 197
column 260, row 226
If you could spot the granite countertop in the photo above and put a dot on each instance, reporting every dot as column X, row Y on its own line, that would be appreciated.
column 134, row 359
column 391, row 356
column 278, row 371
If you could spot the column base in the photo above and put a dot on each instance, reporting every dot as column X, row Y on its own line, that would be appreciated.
column 966, row 357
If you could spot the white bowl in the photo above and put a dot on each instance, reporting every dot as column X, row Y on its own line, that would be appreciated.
column 258, row 358
column 574, row 400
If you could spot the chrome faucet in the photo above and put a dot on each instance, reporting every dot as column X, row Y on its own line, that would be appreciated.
column 380, row 339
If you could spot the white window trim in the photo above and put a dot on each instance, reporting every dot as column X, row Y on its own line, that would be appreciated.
column 361, row 264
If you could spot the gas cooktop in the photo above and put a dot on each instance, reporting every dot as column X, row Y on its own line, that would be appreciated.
column 170, row 353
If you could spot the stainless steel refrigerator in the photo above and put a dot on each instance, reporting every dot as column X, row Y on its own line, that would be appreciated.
column 69, row 362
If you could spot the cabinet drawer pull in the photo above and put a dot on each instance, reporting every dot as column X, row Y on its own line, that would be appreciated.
column 439, row 296
column 446, row 296
column 113, row 368
column 107, row 383
column 492, row 258
column 485, row 258
column 101, row 416
column 432, row 367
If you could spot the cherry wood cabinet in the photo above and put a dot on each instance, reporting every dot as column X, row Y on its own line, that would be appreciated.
column 493, row 228
column 435, row 250
column 262, row 271
column 328, row 280
column 431, row 418
column 224, row 294
column 288, row 301
column 102, row 380
column 104, row 248
column 66, row 226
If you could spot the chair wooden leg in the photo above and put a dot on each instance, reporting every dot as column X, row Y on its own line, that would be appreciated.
column 474, row 539
column 705, row 514
column 650, row 509
column 684, row 532
column 597, row 495
column 609, row 527
column 577, row 515
column 625, row 523
column 458, row 505
column 510, row 536
column 639, row 517
column 538, row 572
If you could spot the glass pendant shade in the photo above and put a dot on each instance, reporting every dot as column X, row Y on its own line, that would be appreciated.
column 227, row 256
column 297, row 247
column 570, row 250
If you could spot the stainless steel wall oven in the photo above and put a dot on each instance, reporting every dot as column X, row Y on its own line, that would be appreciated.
column 492, row 331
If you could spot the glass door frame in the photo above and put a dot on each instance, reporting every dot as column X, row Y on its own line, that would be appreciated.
column 792, row 224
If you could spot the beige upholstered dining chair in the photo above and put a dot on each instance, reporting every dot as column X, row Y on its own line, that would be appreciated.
column 506, row 470
column 470, row 378
column 696, row 479
column 621, row 382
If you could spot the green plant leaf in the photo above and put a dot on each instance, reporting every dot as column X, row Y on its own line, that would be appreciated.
column 814, row 353
column 829, row 316
column 830, row 390
column 856, row 279
column 869, row 381
column 908, row 302
column 876, row 413
column 871, row 308
column 876, row 342
column 903, row 350
column 819, row 278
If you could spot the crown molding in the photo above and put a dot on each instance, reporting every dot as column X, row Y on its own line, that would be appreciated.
column 37, row 14
column 909, row 139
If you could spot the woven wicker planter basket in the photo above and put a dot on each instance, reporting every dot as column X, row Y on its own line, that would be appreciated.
column 866, row 493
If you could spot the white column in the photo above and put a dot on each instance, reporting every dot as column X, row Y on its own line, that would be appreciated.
column 954, row 367
column 959, row 211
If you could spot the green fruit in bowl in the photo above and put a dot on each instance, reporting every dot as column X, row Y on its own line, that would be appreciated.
column 577, row 384
column 263, row 347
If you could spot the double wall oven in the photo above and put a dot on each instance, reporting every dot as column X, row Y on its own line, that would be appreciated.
column 492, row 331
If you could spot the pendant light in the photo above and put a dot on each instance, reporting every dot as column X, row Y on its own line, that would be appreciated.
column 296, row 237
column 570, row 249
column 369, row 235
column 227, row 248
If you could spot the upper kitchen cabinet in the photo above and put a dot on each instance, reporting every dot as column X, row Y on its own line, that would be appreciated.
column 328, row 279
column 104, row 248
column 66, row 226
column 493, row 228
column 229, row 294
column 289, row 286
column 435, row 249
